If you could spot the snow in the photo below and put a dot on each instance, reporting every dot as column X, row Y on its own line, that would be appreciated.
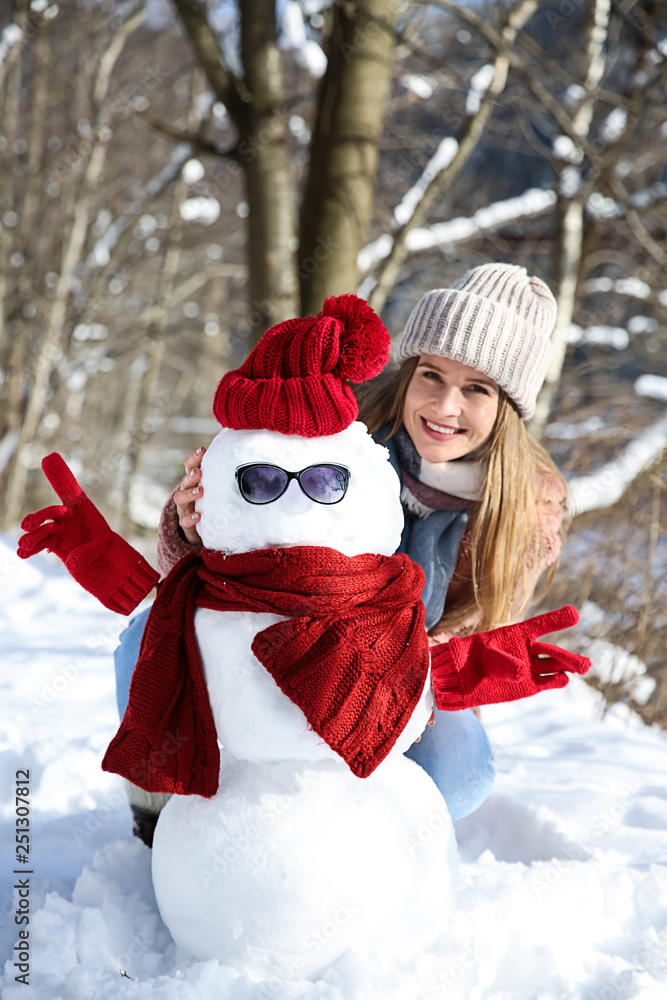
column 570, row 181
column 608, row 484
column 647, row 197
column 611, row 336
column 563, row 884
column 294, row 36
column 563, row 431
column 294, row 862
column 614, row 124
column 490, row 217
column 642, row 324
column 633, row 287
column 441, row 159
column 372, row 514
column 100, row 255
column 299, row 129
column 601, row 207
column 193, row 171
column 420, row 86
column 654, row 386
column 90, row 331
column 10, row 36
column 531, row 202
column 565, row 149
column 159, row 15
column 574, row 94
column 615, row 665
column 200, row 209
column 479, row 84
column 612, row 664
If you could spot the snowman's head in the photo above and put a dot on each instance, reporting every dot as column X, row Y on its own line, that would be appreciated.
column 290, row 406
column 368, row 518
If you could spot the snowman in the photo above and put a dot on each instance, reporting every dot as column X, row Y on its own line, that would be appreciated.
column 284, row 670
column 320, row 836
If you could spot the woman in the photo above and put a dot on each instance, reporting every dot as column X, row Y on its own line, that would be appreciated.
column 483, row 501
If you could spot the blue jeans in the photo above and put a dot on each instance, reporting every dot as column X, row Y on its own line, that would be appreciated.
column 455, row 752
column 125, row 658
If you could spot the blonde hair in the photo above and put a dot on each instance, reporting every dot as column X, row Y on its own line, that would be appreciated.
column 504, row 526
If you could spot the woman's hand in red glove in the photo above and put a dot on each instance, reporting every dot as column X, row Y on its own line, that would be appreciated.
column 504, row 664
column 99, row 559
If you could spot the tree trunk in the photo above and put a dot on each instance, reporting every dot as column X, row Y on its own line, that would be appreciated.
column 10, row 97
column 570, row 215
column 338, row 198
column 256, row 106
column 265, row 155
column 17, row 330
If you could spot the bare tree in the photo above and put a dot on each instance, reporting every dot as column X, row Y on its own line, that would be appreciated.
column 467, row 142
column 338, row 199
column 337, row 204
column 570, row 209
column 291, row 166
column 10, row 92
column 52, row 340
column 256, row 104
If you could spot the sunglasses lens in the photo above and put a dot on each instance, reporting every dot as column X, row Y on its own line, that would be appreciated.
column 262, row 483
column 324, row 483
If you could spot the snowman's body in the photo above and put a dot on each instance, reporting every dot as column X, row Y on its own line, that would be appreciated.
column 295, row 859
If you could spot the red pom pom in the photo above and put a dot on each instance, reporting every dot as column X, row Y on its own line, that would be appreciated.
column 363, row 342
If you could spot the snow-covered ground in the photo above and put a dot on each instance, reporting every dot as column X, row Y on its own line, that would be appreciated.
column 563, row 871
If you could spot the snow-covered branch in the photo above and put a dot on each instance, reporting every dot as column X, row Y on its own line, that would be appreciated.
column 100, row 254
column 488, row 84
column 604, row 487
column 532, row 202
column 440, row 160
column 11, row 36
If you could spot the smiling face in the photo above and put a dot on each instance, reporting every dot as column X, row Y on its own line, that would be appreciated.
column 449, row 409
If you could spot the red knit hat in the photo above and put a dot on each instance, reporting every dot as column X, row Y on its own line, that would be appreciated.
column 295, row 380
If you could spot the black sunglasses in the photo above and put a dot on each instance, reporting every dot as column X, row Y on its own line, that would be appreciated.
column 262, row 483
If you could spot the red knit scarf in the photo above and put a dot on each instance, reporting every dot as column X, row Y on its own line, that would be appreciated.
column 353, row 656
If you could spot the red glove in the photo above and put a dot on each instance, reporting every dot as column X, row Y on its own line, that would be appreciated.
column 504, row 664
column 97, row 558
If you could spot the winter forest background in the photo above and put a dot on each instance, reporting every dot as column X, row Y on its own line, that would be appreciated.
column 178, row 175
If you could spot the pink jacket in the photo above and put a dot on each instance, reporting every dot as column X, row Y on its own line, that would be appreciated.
column 542, row 554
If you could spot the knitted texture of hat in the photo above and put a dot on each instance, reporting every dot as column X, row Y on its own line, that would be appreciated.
column 295, row 380
column 496, row 319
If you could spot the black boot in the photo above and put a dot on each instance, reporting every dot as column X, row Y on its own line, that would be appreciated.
column 143, row 824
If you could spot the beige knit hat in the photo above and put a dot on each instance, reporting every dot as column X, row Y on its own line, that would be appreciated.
column 495, row 319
